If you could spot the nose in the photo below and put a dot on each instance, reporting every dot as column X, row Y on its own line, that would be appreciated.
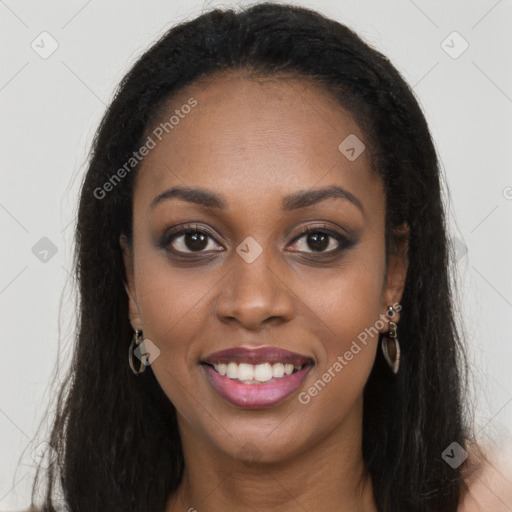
column 255, row 294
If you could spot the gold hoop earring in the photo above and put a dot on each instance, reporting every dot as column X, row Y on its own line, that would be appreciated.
column 389, row 344
column 137, row 340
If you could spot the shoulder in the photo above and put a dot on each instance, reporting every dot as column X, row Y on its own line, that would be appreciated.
column 488, row 479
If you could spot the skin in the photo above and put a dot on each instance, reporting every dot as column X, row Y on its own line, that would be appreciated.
column 254, row 141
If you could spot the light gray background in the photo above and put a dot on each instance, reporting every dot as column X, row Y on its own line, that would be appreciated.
column 51, row 107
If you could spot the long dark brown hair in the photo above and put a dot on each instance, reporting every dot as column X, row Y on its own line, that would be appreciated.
column 116, row 435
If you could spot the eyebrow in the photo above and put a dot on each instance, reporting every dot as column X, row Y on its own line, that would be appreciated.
column 295, row 201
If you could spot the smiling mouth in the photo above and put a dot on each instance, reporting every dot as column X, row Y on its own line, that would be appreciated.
column 256, row 377
column 254, row 374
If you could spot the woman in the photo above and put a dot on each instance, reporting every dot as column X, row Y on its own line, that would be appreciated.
column 266, row 319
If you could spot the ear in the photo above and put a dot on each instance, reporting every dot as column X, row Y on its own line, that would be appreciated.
column 398, row 263
column 133, row 308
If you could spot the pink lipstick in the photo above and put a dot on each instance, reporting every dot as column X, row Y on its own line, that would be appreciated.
column 255, row 378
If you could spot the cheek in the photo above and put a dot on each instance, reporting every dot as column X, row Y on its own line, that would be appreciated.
column 347, row 300
column 349, row 307
column 171, row 302
column 354, row 300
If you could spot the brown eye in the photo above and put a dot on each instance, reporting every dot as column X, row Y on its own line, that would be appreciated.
column 320, row 240
column 188, row 240
column 195, row 241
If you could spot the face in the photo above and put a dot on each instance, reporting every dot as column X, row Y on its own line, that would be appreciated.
column 245, row 276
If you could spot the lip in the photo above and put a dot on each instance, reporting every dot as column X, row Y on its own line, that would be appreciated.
column 258, row 355
column 265, row 394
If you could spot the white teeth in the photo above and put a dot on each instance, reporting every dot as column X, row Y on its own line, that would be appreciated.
column 232, row 371
column 278, row 370
column 259, row 372
column 263, row 372
column 245, row 371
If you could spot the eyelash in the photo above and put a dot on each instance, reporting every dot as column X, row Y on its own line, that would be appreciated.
column 343, row 242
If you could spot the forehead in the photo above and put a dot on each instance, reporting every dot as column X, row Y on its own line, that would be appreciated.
column 252, row 137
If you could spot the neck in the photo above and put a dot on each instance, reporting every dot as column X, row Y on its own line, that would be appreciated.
column 328, row 475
